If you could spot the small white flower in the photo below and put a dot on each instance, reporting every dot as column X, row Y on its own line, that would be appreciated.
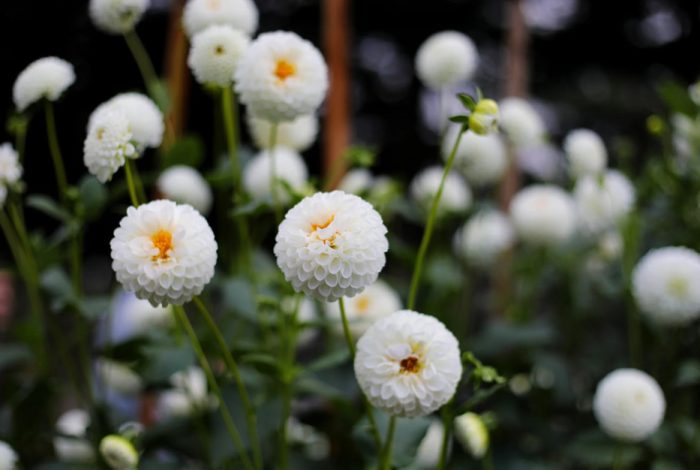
column 8, row 457
column 471, row 432
column 315, row 444
column 456, row 195
column 184, row 184
column 119, row 453
column 117, row 16
column 189, row 394
column 71, row 445
column 521, row 123
column 376, row 301
column 356, row 181
column 446, row 59
column 543, row 215
column 603, row 201
column 164, row 252
column 428, row 452
column 586, row 153
column 281, row 77
column 484, row 237
column 108, row 145
column 408, row 364
column 481, row 159
column 331, row 245
column 239, row 14
column 145, row 119
column 290, row 168
column 132, row 317
column 46, row 78
column 298, row 134
column 10, row 168
column 629, row 405
column 666, row 285
column 215, row 53
column 118, row 377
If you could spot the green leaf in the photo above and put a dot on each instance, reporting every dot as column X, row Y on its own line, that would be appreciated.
column 332, row 359
column 467, row 101
column 56, row 282
column 254, row 207
column 17, row 124
column 238, row 296
column 479, row 397
column 688, row 373
column 677, row 98
column 160, row 94
column 49, row 207
column 464, row 120
column 265, row 363
column 593, row 449
column 93, row 195
column 360, row 155
column 187, row 150
column 93, row 308
column 163, row 361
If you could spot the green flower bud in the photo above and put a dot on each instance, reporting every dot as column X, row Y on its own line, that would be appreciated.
column 484, row 119
column 119, row 453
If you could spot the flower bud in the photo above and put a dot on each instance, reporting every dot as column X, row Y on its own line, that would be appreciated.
column 119, row 453
column 484, row 119
column 472, row 434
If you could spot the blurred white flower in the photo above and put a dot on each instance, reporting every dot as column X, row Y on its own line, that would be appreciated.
column 484, row 237
column 164, row 252
column 117, row 16
column 446, row 59
column 215, row 53
column 408, row 364
column 298, row 134
column 428, row 452
column 8, row 457
column 610, row 245
column 71, row 445
column 239, row 14
column 376, row 301
column 132, row 317
column 456, row 195
column 281, row 77
column 356, row 181
column 185, row 185
column 603, row 201
column 331, row 245
column 543, row 215
column 521, row 123
column 481, row 159
column 188, row 395
column 306, row 313
column 315, row 444
column 46, row 78
column 108, row 145
column 586, row 153
column 10, row 168
column 146, row 121
column 472, row 433
column 117, row 376
column 119, row 453
column 290, row 168
column 629, row 405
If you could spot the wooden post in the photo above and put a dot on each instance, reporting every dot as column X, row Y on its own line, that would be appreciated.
column 177, row 75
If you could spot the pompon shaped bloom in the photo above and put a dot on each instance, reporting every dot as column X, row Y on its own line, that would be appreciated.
column 10, row 168
column 8, row 457
column 481, row 159
column 446, row 59
column 290, row 169
column 46, row 78
column 119, row 453
column 543, row 215
column 281, row 77
column 184, row 184
column 428, row 452
column 164, row 252
column 666, row 285
column 117, row 16
column 472, row 434
column 602, row 201
column 484, row 237
column 71, row 445
column 456, row 195
column 356, row 181
column 214, row 54
column 629, row 405
column 145, row 119
column 408, row 364
column 331, row 245
column 239, row 14
column 108, row 145
column 298, row 134
column 521, row 123
column 585, row 152
column 376, row 301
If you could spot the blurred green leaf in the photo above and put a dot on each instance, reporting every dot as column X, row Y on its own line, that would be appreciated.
column 13, row 354
column 160, row 94
column 187, row 150
column 160, row 362
column 95, row 307
column 332, row 359
column 49, row 207
column 677, row 98
column 57, row 283
column 467, row 101
column 688, row 373
column 93, row 195
column 251, row 208
column 594, row 449
column 238, row 296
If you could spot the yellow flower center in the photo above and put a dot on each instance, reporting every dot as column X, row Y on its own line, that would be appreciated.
column 284, row 69
column 678, row 286
column 163, row 241
column 328, row 240
column 219, row 49
column 214, row 4
column 410, row 365
column 362, row 304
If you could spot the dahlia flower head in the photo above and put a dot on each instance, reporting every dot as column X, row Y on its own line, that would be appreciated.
column 281, row 77
column 331, row 245
column 543, row 215
column 108, row 144
column 472, row 434
column 119, row 453
column 298, row 134
column 185, row 185
column 456, row 195
column 629, row 405
column 8, row 457
column 603, row 201
column 484, row 237
column 239, row 14
column 290, row 168
column 481, row 159
column 585, row 152
column 521, row 122
column 188, row 395
column 376, row 301
column 146, row 121
column 118, row 377
column 164, row 252
column 666, row 285
column 356, row 181
column 408, row 364
column 46, row 78
column 214, row 54
column 72, row 444
column 446, row 59
column 117, row 16
column 428, row 452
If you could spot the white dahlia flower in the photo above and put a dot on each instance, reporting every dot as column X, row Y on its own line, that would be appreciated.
column 666, row 285
column 8, row 457
column 376, row 301
column 145, row 119
column 132, row 317
column 290, row 169
column 428, row 452
column 456, row 195
column 484, row 237
column 446, row 59
column 603, row 201
column 356, row 181
column 281, row 77
column 481, row 159
column 117, row 16
column 586, row 153
column 118, row 377
column 71, row 444
column 214, row 54
column 629, row 405
column 298, row 134
column 119, row 453
column 46, row 78
column 108, row 145
column 164, row 252
column 331, row 245
column 408, row 364
column 10, row 168
column 188, row 395
column 521, row 123
column 543, row 215
column 185, row 185
column 472, row 433
column 239, row 14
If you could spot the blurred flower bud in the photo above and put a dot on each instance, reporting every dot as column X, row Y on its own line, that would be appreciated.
column 119, row 453
column 484, row 119
column 472, row 434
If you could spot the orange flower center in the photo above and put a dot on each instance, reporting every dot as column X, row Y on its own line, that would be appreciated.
column 219, row 50
column 329, row 240
column 163, row 240
column 362, row 304
column 410, row 364
column 284, row 69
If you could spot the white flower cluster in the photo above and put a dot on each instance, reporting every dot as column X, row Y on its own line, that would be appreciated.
column 72, row 445
column 456, row 195
column 446, row 59
column 586, row 153
column 481, row 159
column 117, row 16
column 484, row 237
column 10, row 170
column 290, row 169
column 108, row 144
column 46, row 78
column 215, row 53
column 146, row 121
column 185, row 185
column 239, row 14
column 298, row 134
column 521, row 123
column 602, row 201
column 543, row 215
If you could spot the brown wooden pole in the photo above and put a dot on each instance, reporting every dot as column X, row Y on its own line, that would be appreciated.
column 176, row 74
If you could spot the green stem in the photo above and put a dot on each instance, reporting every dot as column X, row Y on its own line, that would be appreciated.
column 130, row 183
column 251, row 420
column 56, row 152
column 143, row 61
column 289, row 330
column 386, row 453
column 272, row 143
column 430, row 225
column 185, row 324
column 446, row 434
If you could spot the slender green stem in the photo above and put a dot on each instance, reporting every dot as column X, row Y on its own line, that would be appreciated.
column 288, row 328
column 20, row 141
column 272, row 143
column 386, row 453
column 251, row 420
column 430, row 225
column 487, row 461
column 446, row 434
column 130, row 183
column 185, row 324
column 618, row 461
column 56, row 152
column 143, row 61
